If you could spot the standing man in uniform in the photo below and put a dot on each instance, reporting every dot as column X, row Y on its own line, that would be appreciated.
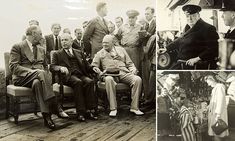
column 53, row 41
column 95, row 31
column 128, row 34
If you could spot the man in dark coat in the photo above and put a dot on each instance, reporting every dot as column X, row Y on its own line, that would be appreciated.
column 198, row 44
column 229, row 18
column 77, row 72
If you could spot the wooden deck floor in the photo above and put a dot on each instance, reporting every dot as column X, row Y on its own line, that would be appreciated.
column 124, row 127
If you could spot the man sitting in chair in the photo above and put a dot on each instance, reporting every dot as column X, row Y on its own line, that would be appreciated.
column 77, row 72
column 29, row 68
column 115, row 60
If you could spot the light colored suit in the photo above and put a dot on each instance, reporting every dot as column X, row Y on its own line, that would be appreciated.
column 23, row 67
column 94, row 34
column 103, row 59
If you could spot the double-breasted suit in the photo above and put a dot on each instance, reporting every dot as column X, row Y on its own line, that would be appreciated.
column 78, row 78
column 94, row 34
column 198, row 41
column 32, row 72
column 50, row 45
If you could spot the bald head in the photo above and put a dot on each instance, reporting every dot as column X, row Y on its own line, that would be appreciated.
column 108, row 42
column 66, row 41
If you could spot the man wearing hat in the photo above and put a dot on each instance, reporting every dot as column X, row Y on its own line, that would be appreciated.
column 198, row 43
column 128, row 34
column 229, row 17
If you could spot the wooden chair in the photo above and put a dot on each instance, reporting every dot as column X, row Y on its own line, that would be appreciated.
column 17, row 95
column 122, row 89
column 63, row 91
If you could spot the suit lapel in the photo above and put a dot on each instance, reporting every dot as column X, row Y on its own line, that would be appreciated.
column 52, row 41
column 27, row 51
column 152, row 26
column 101, row 23
column 64, row 57
column 80, row 61
column 194, row 28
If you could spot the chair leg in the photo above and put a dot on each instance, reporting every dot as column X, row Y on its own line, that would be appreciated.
column 16, row 109
column 35, row 108
column 7, row 106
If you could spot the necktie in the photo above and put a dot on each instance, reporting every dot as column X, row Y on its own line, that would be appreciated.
column 34, row 52
column 69, row 53
column 56, row 43
column 227, row 34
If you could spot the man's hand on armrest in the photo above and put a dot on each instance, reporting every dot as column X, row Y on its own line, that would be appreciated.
column 64, row 70
column 193, row 61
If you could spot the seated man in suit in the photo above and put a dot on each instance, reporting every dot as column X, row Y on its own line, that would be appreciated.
column 117, row 56
column 77, row 72
column 29, row 68
column 53, row 41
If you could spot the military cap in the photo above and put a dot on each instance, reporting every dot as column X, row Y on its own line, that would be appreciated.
column 191, row 9
column 132, row 13
column 228, row 5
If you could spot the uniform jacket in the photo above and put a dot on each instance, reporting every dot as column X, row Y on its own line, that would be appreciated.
column 200, row 40
column 50, row 45
column 22, row 60
column 103, row 59
column 94, row 34
column 60, row 59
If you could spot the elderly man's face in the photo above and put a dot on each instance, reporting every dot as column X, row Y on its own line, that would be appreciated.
column 228, row 17
column 132, row 20
column 37, row 36
column 192, row 18
column 66, row 41
column 107, row 43
column 56, row 30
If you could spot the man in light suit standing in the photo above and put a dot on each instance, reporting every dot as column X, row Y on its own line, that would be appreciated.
column 53, row 41
column 96, row 29
column 29, row 68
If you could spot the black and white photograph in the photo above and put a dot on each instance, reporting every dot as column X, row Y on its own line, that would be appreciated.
column 195, row 105
column 78, row 70
column 195, row 34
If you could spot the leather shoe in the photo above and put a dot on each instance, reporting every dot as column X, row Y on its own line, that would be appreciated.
column 113, row 113
column 91, row 115
column 62, row 114
column 48, row 122
column 81, row 118
column 136, row 112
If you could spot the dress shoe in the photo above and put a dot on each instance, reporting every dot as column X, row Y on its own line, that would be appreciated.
column 48, row 122
column 62, row 114
column 91, row 115
column 113, row 113
column 136, row 112
column 81, row 118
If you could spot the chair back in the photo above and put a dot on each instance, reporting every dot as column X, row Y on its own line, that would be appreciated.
column 8, row 73
column 52, row 55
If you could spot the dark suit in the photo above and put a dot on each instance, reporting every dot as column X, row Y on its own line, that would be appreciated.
column 94, row 34
column 78, row 44
column 200, row 40
column 230, row 35
column 79, row 78
column 22, row 64
column 50, row 45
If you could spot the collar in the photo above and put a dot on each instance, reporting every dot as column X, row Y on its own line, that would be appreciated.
column 150, row 21
column 130, row 25
column 101, row 18
column 54, row 36
column 231, row 29
column 29, row 44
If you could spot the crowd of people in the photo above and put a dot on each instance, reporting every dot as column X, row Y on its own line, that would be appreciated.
column 122, row 53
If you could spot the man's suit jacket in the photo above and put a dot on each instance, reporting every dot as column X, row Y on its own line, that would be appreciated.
column 78, row 45
column 22, row 60
column 200, row 40
column 50, row 45
column 94, row 34
column 151, row 29
column 60, row 59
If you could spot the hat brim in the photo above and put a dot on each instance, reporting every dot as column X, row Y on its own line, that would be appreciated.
column 108, row 74
column 227, row 9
